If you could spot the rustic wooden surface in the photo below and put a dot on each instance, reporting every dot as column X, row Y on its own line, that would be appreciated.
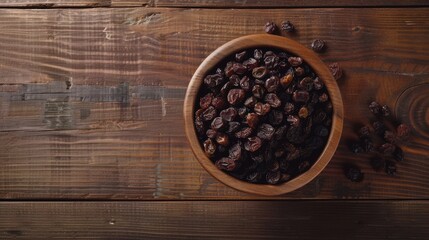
column 117, row 131
column 91, row 100
column 215, row 220
column 208, row 3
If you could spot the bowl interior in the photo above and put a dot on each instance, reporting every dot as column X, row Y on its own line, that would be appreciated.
column 271, row 41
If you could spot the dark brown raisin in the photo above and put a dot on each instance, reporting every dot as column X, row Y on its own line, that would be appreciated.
column 318, row 45
column 299, row 71
column 364, row 132
column 250, row 63
column 209, row 114
column 375, row 108
column 258, row 91
column 239, row 57
column 287, row 26
column 235, row 151
column 385, row 111
column 390, row 167
column 306, row 84
column 293, row 120
column 213, row 80
column 387, row 148
column 398, row 154
column 252, row 119
column 318, row 84
column 272, row 84
column 259, row 72
column 233, row 127
column 289, row 108
column 226, row 164
column 229, row 114
column 336, row 70
column 275, row 117
column 270, row 27
column 222, row 139
column 243, row 133
column 356, row 148
column 379, row 128
column 287, row 79
column 273, row 177
column 323, row 97
column 273, row 100
column 229, row 70
column 218, row 103
column 257, row 54
column 295, row 61
column 389, row 137
column 236, row 96
column 301, row 96
column 206, row 100
column 262, row 109
column 238, row 68
column 218, row 124
column 265, row 131
column 242, row 112
column 303, row 112
column 209, row 147
column 250, row 102
column 353, row 173
column 252, row 144
column 210, row 133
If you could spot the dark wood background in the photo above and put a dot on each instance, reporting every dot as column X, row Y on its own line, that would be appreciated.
column 91, row 95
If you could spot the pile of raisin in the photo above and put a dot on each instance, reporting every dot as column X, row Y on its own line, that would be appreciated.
column 263, row 116
column 382, row 138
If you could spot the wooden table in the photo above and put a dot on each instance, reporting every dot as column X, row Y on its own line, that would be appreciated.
column 92, row 143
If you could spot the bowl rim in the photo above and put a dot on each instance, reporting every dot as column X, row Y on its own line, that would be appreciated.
column 318, row 66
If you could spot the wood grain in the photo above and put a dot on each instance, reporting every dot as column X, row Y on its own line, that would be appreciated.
column 251, row 42
column 215, row 220
column 207, row 3
column 91, row 99
column 281, row 3
column 54, row 3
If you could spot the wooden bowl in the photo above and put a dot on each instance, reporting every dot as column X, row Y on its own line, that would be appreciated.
column 254, row 41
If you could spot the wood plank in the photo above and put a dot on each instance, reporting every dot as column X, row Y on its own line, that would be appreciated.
column 117, row 132
column 54, row 3
column 215, row 220
column 277, row 3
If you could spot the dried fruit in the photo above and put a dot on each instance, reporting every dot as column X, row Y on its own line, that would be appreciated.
column 263, row 116
column 252, row 119
column 390, row 167
column 318, row 45
column 236, row 96
column 353, row 173
column 287, row 26
column 336, row 70
column 259, row 72
column 252, row 144
column 206, row 100
column 287, row 79
column 265, row 131
column 272, row 100
column 228, row 114
column 270, row 27
column 375, row 108
column 209, row 147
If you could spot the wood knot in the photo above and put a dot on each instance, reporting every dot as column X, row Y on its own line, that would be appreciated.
column 412, row 108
